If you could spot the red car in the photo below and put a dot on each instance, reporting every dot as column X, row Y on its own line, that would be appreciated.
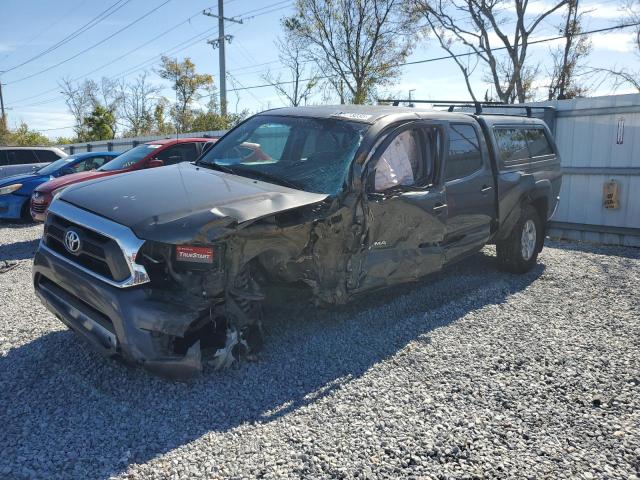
column 156, row 153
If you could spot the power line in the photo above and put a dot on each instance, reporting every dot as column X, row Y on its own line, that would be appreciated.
column 242, row 88
column 52, row 129
column 446, row 57
column 137, row 66
column 41, row 32
column 84, row 28
column 140, row 66
column 92, row 46
column 266, row 13
column 255, row 10
column 138, row 47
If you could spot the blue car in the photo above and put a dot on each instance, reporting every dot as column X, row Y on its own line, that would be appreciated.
column 15, row 191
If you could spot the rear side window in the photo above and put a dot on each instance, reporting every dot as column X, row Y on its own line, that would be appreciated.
column 464, row 157
column 21, row 157
column 538, row 142
column 3, row 158
column 46, row 156
column 517, row 144
column 512, row 145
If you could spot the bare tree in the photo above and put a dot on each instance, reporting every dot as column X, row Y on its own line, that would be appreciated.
column 85, row 97
column 79, row 100
column 563, row 81
column 625, row 75
column 301, row 76
column 481, row 27
column 357, row 43
column 108, row 95
column 139, row 100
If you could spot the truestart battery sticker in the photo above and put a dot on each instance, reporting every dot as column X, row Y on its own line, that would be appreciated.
column 194, row 254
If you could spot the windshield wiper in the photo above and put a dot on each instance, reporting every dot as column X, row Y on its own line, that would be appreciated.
column 214, row 166
column 260, row 175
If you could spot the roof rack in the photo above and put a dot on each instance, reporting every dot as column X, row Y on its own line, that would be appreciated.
column 479, row 106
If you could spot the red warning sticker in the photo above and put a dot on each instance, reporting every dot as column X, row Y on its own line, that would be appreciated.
column 194, row 254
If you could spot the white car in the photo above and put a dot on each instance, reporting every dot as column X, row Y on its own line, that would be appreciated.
column 17, row 160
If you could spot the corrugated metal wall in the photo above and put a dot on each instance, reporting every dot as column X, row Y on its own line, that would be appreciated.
column 599, row 141
column 122, row 144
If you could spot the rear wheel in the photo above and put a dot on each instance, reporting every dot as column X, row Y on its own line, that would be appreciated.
column 518, row 253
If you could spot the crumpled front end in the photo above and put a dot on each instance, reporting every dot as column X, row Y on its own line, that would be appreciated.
column 159, row 305
column 119, row 322
column 85, row 272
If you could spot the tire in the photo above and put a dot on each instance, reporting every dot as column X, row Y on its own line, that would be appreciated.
column 518, row 253
column 25, row 214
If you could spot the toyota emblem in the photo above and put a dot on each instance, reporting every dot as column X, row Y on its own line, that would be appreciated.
column 72, row 241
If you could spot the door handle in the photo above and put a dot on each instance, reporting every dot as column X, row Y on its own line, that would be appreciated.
column 485, row 188
column 438, row 208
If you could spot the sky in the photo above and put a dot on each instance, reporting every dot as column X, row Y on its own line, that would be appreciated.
column 177, row 27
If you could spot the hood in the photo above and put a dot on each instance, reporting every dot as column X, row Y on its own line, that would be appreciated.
column 65, row 180
column 20, row 178
column 29, row 182
column 184, row 203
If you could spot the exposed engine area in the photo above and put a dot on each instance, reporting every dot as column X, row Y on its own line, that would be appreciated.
column 231, row 326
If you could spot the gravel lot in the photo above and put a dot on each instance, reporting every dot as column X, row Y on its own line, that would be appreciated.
column 472, row 373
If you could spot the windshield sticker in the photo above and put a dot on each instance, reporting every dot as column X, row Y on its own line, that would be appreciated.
column 352, row 116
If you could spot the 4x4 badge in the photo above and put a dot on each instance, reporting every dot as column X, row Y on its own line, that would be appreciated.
column 72, row 241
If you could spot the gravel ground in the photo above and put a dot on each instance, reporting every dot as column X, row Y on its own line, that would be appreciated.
column 473, row 373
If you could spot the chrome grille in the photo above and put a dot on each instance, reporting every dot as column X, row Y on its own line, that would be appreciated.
column 107, row 249
column 39, row 207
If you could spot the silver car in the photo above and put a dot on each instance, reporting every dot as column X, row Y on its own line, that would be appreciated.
column 17, row 160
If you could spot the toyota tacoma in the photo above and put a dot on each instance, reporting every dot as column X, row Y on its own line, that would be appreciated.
column 170, row 267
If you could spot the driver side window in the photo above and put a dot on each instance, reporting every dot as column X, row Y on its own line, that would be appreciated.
column 401, row 163
column 182, row 152
column 89, row 164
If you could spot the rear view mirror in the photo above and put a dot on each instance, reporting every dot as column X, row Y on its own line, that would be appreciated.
column 66, row 171
column 155, row 162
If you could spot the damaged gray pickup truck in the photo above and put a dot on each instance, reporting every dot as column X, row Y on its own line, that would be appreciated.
column 170, row 267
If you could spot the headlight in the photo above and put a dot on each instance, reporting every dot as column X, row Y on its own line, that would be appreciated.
column 10, row 188
column 56, row 193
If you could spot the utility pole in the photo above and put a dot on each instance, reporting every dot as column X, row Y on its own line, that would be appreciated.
column 4, row 115
column 219, row 44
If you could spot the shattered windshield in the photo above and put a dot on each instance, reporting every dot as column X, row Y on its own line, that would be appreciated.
column 311, row 154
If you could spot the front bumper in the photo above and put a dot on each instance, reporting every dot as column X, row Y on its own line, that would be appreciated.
column 130, row 323
column 11, row 205
column 38, row 206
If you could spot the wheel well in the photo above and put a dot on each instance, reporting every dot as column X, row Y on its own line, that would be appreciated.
column 542, row 207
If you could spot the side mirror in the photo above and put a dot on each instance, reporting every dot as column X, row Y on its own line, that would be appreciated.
column 155, row 162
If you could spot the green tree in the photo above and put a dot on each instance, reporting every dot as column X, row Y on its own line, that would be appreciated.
column 99, row 124
column 206, row 121
column 161, row 127
column 65, row 140
column 23, row 137
column 188, row 85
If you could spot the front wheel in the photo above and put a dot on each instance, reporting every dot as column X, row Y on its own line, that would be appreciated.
column 518, row 253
